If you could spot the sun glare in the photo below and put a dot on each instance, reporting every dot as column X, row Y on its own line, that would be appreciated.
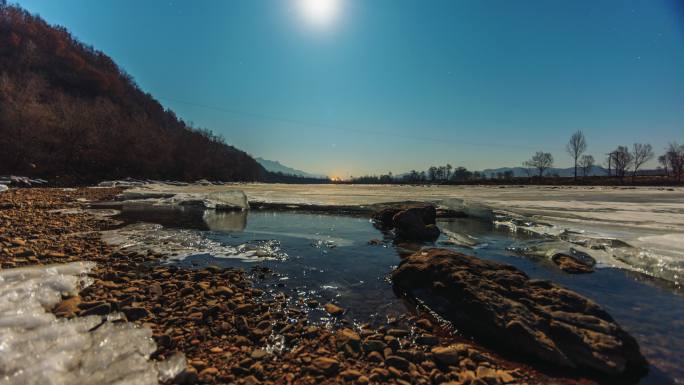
column 319, row 13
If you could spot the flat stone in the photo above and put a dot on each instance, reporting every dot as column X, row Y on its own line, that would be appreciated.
column 135, row 313
column 449, row 355
column 397, row 362
column 500, row 305
column 327, row 365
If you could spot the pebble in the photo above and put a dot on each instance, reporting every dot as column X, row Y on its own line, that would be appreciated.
column 333, row 309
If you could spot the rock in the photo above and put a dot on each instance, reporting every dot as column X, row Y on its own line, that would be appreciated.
column 100, row 309
column 427, row 339
column 68, row 307
column 350, row 374
column 374, row 346
column 499, row 303
column 333, row 309
column 411, row 224
column 571, row 264
column 312, row 303
column 449, row 355
column 186, row 291
column 347, row 337
column 244, row 308
column 209, row 372
column 424, row 324
column 398, row 332
column 397, row 362
column 134, row 313
column 326, row 365
column 375, row 357
column 224, row 291
column 258, row 354
column 410, row 221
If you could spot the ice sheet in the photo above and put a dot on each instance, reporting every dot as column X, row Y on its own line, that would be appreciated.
column 178, row 244
column 174, row 195
column 37, row 348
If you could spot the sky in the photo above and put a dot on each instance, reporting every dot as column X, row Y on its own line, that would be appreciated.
column 352, row 87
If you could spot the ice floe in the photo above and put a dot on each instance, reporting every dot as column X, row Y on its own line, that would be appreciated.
column 219, row 200
column 38, row 348
column 178, row 244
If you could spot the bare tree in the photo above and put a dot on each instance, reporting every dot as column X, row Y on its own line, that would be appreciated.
column 540, row 161
column 641, row 153
column 586, row 162
column 663, row 160
column 527, row 169
column 675, row 157
column 576, row 147
column 622, row 160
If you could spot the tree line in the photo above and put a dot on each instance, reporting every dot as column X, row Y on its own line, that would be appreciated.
column 619, row 163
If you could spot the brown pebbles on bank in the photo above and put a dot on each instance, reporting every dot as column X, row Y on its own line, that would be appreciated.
column 230, row 331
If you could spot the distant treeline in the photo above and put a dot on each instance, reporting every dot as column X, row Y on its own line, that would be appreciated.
column 279, row 177
column 67, row 111
column 621, row 163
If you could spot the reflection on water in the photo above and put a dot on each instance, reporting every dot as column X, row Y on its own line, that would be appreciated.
column 185, row 217
column 329, row 257
column 232, row 221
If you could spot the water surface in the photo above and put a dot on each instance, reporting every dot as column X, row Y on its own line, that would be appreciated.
column 328, row 258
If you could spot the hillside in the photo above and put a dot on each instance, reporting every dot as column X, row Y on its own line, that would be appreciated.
column 69, row 114
column 277, row 167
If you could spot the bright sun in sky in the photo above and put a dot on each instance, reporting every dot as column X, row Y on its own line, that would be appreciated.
column 319, row 13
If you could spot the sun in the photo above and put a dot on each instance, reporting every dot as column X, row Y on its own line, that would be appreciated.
column 319, row 13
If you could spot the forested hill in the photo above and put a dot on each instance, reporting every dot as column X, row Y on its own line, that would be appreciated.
column 69, row 113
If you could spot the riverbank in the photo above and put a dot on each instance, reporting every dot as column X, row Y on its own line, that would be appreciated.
column 229, row 330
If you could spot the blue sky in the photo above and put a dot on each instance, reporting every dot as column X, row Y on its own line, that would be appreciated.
column 394, row 85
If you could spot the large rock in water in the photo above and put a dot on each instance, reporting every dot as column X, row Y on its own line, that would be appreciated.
column 499, row 303
column 410, row 222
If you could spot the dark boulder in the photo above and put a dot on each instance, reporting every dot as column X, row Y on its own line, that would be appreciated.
column 410, row 222
column 500, row 304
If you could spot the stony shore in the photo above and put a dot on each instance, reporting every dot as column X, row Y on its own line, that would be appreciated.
column 230, row 331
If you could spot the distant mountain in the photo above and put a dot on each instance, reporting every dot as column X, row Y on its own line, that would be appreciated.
column 562, row 172
column 275, row 166
column 68, row 112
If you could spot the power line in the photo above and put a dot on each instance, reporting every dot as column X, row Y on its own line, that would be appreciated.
column 305, row 123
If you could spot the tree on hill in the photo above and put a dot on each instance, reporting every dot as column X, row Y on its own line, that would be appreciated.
column 541, row 161
column 69, row 112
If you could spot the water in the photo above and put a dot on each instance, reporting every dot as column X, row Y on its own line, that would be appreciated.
column 329, row 258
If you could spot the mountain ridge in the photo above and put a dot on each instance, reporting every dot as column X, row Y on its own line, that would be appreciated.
column 277, row 167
